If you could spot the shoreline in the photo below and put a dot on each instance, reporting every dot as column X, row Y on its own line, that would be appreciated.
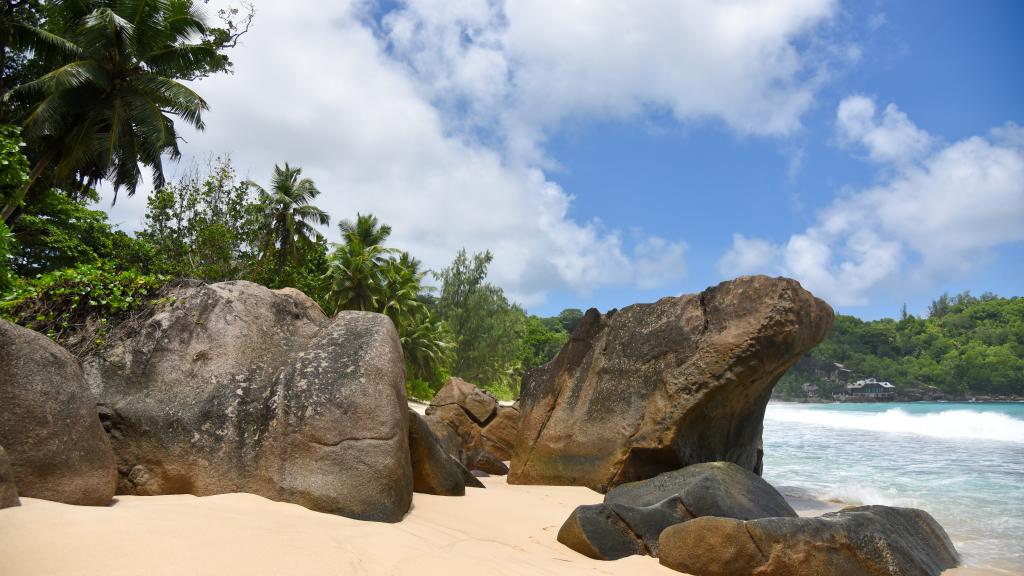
column 502, row 529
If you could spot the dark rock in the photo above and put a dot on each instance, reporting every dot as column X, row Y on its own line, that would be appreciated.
column 470, row 477
column 864, row 541
column 596, row 531
column 48, row 423
column 656, row 387
column 648, row 522
column 647, row 507
column 8, row 491
column 484, row 461
column 472, row 427
column 434, row 471
column 238, row 388
column 709, row 489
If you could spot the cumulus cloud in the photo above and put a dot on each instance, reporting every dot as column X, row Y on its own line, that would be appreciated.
column 530, row 64
column 932, row 219
column 433, row 116
column 749, row 256
column 891, row 138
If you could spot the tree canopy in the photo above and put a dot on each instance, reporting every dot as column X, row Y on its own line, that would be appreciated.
column 966, row 346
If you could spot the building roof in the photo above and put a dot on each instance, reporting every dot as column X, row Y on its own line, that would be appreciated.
column 869, row 381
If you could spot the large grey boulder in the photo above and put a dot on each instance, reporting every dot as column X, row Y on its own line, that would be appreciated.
column 633, row 515
column 48, row 422
column 8, row 491
column 237, row 388
column 864, row 541
column 656, row 387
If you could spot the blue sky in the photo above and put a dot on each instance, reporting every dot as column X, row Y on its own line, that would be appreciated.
column 614, row 152
column 955, row 68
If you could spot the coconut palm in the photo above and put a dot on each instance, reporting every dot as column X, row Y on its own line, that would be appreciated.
column 366, row 230
column 428, row 345
column 401, row 292
column 109, row 103
column 357, row 278
column 287, row 215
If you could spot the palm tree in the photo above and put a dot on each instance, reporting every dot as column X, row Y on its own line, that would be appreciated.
column 428, row 345
column 108, row 103
column 401, row 292
column 287, row 215
column 366, row 230
column 356, row 278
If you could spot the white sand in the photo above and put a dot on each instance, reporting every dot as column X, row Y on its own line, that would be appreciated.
column 501, row 530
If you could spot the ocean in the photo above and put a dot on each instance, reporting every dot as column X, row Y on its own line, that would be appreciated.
column 962, row 462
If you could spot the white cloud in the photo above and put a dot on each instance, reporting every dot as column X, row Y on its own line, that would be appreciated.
column 315, row 87
column 893, row 138
column 932, row 219
column 658, row 262
column 749, row 256
column 530, row 64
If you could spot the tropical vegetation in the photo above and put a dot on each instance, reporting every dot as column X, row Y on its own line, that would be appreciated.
column 97, row 92
column 966, row 346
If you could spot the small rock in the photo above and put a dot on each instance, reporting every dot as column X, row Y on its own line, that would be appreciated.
column 433, row 470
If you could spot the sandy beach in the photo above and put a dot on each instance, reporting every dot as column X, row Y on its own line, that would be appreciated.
column 501, row 530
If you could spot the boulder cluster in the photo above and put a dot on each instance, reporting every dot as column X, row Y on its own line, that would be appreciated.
column 233, row 387
column 473, row 427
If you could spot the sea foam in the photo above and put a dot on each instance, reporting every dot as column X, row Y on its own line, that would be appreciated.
column 952, row 424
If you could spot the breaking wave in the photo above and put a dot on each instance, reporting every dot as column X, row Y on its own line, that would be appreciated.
column 953, row 424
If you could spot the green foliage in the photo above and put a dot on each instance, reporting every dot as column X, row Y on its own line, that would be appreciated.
column 363, row 274
column 66, row 303
column 570, row 318
column 967, row 345
column 542, row 339
column 57, row 231
column 106, row 104
column 7, row 244
column 203, row 227
column 14, row 166
column 488, row 328
column 287, row 218
column 109, row 89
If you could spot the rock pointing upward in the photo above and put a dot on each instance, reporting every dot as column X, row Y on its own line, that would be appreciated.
column 656, row 387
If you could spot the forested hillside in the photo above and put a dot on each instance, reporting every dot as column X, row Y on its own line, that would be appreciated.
column 966, row 346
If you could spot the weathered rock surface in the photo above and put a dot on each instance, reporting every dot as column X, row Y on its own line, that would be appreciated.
column 48, row 422
column 8, row 491
column 656, row 387
column 474, row 402
column 434, row 471
column 238, row 388
column 709, row 489
column 864, row 541
column 473, row 427
column 598, row 532
column 634, row 515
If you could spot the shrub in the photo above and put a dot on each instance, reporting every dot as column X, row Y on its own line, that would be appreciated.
column 76, row 306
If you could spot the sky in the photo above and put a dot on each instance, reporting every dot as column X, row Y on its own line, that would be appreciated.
column 609, row 152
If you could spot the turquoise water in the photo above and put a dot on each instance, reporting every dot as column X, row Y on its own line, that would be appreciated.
column 962, row 462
